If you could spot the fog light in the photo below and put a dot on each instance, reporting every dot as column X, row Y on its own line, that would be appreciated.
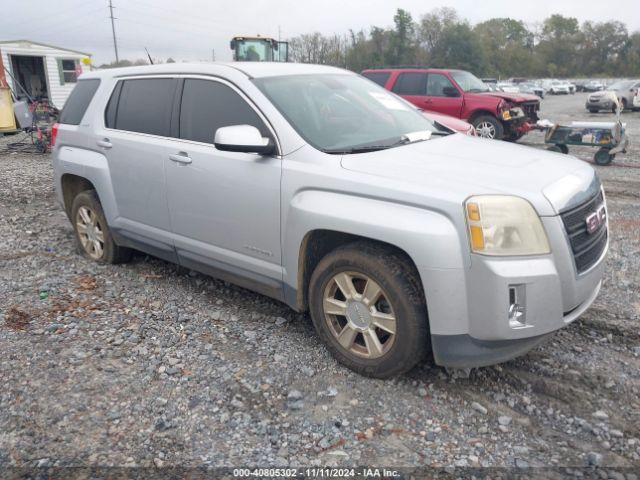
column 517, row 310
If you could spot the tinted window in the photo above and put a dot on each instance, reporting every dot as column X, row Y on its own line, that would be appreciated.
column 436, row 85
column 145, row 106
column 208, row 105
column 411, row 83
column 378, row 77
column 78, row 101
column 112, row 107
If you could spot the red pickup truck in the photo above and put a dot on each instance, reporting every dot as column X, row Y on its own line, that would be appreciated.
column 462, row 95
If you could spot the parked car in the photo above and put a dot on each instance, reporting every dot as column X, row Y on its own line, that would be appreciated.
column 572, row 87
column 532, row 88
column 451, row 123
column 312, row 185
column 462, row 95
column 624, row 90
column 558, row 87
column 507, row 87
column 593, row 86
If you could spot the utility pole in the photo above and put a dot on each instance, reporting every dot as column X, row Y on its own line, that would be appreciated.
column 113, row 30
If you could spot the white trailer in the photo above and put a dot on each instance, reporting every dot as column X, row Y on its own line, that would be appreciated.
column 44, row 71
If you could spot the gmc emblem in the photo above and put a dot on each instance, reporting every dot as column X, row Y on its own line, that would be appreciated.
column 596, row 219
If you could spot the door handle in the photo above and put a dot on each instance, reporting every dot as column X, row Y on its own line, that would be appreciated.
column 104, row 143
column 181, row 157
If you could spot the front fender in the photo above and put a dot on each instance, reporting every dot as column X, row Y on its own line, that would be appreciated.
column 92, row 166
column 429, row 238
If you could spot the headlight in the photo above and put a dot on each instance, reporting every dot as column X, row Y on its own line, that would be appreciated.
column 502, row 225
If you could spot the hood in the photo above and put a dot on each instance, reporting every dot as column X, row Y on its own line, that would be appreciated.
column 461, row 166
column 511, row 97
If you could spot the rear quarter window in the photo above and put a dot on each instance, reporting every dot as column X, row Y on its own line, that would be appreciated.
column 78, row 102
column 377, row 77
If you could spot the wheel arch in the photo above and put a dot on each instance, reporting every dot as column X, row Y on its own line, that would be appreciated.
column 316, row 244
column 477, row 113
column 78, row 169
column 71, row 185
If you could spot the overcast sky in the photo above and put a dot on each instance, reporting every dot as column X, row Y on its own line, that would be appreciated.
column 191, row 29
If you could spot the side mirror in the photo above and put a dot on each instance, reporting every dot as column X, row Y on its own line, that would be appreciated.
column 243, row 138
column 451, row 92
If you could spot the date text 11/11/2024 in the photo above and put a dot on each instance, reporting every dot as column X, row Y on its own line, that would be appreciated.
column 315, row 472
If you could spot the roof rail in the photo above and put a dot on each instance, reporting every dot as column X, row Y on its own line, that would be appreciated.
column 386, row 67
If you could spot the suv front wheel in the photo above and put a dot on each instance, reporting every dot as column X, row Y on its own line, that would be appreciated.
column 488, row 126
column 92, row 232
column 367, row 306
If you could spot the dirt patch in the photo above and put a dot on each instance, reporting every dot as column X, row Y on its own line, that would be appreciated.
column 16, row 319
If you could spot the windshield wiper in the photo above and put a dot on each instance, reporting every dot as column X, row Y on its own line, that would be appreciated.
column 404, row 140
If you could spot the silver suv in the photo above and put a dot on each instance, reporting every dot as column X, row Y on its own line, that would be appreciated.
column 319, row 188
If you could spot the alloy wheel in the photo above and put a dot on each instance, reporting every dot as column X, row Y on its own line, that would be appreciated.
column 359, row 315
column 90, row 232
column 486, row 130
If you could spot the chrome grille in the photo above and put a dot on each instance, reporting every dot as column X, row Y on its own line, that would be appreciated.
column 586, row 247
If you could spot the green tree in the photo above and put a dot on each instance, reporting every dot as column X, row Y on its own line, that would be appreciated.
column 560, row 42
column 459, row 47
column 508, row 46
column 403, row 43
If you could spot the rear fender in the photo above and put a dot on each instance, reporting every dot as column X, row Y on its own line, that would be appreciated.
column 92, row 166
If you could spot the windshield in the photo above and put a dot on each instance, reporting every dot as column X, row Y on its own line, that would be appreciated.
column 620, row 85
column 339, row 113
column 258, row 50
column 469, row 82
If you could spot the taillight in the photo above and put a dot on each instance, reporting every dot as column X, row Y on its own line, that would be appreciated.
column 54, row 134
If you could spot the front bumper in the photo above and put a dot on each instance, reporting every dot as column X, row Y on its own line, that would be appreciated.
column 475, row 329
column 464, row 351
column 604, row 104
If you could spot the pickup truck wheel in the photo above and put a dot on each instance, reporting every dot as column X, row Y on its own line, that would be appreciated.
column 92, row 232
column 367, row 306
column 488, row 127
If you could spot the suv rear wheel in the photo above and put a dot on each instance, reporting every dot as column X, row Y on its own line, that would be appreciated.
column 367, row 306
column 488, row 126
column 92, row 232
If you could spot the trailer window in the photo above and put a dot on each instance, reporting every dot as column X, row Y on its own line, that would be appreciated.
column 69, row 73
column 78, row 102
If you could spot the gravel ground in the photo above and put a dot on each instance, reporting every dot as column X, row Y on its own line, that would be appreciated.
column 147, row 365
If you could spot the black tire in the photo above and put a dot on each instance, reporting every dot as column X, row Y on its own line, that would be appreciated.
column 593, row 110
column 400, row 282
column 489, row 119
column 111, row 252
column 513, row 137
column 603, row 157
column 554, row 148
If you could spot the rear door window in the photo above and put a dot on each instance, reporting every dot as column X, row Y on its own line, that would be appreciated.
column 208, row 105
column 144, row 106
column 411, row 83
column 378, row 77
column 78, row 102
